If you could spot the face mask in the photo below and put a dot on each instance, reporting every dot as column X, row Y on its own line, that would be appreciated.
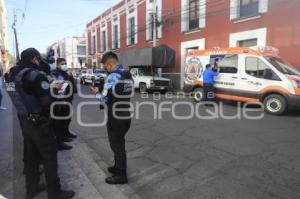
column 52, row 67
column 64, row 67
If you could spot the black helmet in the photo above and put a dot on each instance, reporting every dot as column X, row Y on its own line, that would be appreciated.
column 28, row 54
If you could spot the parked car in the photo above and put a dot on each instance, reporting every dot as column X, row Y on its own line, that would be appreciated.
column 145, row 80
column 92, row 76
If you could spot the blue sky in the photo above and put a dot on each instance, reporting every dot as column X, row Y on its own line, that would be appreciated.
column 49, row 21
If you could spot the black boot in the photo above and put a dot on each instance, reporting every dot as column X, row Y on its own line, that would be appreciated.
column 118, row 178
column 62, row 195
column 66, row 139
column 39, row 189
column 70, row 135
column 119, row 171
column 63, row 146
column 111, row 169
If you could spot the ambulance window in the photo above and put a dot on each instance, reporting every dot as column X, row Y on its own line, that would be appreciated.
column 257, row 68
column 228, row 64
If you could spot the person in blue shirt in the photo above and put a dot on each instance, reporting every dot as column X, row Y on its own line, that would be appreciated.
column 208, row 82
column 115, row 93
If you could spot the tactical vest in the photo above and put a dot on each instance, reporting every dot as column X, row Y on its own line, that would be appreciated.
column 123, row 89
column 24, row 103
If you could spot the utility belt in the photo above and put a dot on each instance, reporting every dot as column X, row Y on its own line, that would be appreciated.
column 37, row 119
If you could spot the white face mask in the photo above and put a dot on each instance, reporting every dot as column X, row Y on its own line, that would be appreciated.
column 64, row 67
column 52, row 67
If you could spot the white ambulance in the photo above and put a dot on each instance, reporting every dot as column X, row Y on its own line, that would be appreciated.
column 247, row 75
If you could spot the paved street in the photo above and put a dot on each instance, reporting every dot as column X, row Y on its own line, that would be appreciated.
column 169, row 158
column 206, row 159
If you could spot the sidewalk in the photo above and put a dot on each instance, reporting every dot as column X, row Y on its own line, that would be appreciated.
column 6, row 149
column 78, row 169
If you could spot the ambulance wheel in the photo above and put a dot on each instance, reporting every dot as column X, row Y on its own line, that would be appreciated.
column 198, row 94
column 275, row 104
column 143, row 88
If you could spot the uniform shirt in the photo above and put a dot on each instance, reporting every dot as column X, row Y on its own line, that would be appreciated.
column 38, row 87
column 208, row 76
column 60, row 75
column 110, row 83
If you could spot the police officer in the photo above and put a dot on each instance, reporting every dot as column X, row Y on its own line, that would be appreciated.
column 32, row 101
column 116, row 94
column 61, row 126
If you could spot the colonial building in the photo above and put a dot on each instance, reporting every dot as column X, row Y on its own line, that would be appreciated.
column 73, row 49
column 3, row 36
column 187, row 25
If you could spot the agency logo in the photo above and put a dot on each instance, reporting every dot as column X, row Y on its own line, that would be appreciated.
column 193, row 70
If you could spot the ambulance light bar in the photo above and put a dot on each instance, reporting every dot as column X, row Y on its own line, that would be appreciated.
column 269, row 50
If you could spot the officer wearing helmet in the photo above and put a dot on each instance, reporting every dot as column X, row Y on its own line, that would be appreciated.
column 32, row 100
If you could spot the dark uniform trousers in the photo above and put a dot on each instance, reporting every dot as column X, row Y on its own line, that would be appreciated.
column 40, row 142
column 209, row 92
column 61, row 126
column 117, row 129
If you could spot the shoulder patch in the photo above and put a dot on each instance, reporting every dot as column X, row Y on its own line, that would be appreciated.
column 45, row 85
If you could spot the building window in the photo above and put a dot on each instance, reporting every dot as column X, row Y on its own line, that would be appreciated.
column 151, row 17
column 103, row 43
column 116, row 37
column 94, row 45
column 249, row 38
column 243, row 9
column 249, row 8
column 81, row 50
column 131, row 31
column 247, row 43
column 193, row 14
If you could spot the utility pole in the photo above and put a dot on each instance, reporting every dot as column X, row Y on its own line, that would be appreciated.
column 154, row 22
column 16, row 36
column 154, row 28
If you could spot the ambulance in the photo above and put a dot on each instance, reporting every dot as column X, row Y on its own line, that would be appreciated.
column 247, row 75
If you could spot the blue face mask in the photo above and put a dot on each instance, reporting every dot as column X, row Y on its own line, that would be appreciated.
column 52, row 67
column 64, row 67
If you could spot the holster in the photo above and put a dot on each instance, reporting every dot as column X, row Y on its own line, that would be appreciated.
column 38, row 119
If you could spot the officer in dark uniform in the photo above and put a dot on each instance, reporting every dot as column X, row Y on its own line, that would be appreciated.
column 61, row 126
column 117, row 88
column 32, row 101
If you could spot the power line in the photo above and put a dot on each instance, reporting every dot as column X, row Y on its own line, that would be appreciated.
column 222, row 12
column 141, row 29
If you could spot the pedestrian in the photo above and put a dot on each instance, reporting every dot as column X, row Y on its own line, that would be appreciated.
column 61, row 126
column 117, row 88
column 2, row 108
column 32, row 101
column 208, row 82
